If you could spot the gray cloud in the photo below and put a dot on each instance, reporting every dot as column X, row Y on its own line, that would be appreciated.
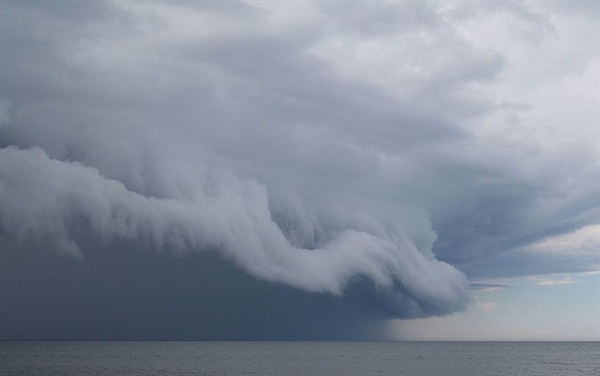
column 324, row 147
column 45, row 198
column 119, row 291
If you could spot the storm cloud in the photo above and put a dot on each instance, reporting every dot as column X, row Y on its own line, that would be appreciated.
column 367, row 157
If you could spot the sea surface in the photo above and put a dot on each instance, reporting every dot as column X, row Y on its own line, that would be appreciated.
column 300, row 358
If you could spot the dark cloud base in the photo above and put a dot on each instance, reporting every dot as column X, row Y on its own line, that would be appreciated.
column 123, row 293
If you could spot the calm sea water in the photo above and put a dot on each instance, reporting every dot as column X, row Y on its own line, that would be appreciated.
column 300, row 358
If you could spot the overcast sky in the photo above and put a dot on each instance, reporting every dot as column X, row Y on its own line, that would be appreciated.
column 299, row 170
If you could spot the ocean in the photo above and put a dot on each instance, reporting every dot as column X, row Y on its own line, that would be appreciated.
column 24, row 358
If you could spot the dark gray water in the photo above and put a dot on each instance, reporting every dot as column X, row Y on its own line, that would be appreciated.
column 300, row 358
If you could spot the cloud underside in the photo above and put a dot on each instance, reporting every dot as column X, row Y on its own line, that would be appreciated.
column 51, row 201
column 330, row 149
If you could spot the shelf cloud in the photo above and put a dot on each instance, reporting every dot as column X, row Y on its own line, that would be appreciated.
column 388, row 151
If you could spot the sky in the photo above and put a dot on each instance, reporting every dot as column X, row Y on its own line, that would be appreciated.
column 258, row 170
